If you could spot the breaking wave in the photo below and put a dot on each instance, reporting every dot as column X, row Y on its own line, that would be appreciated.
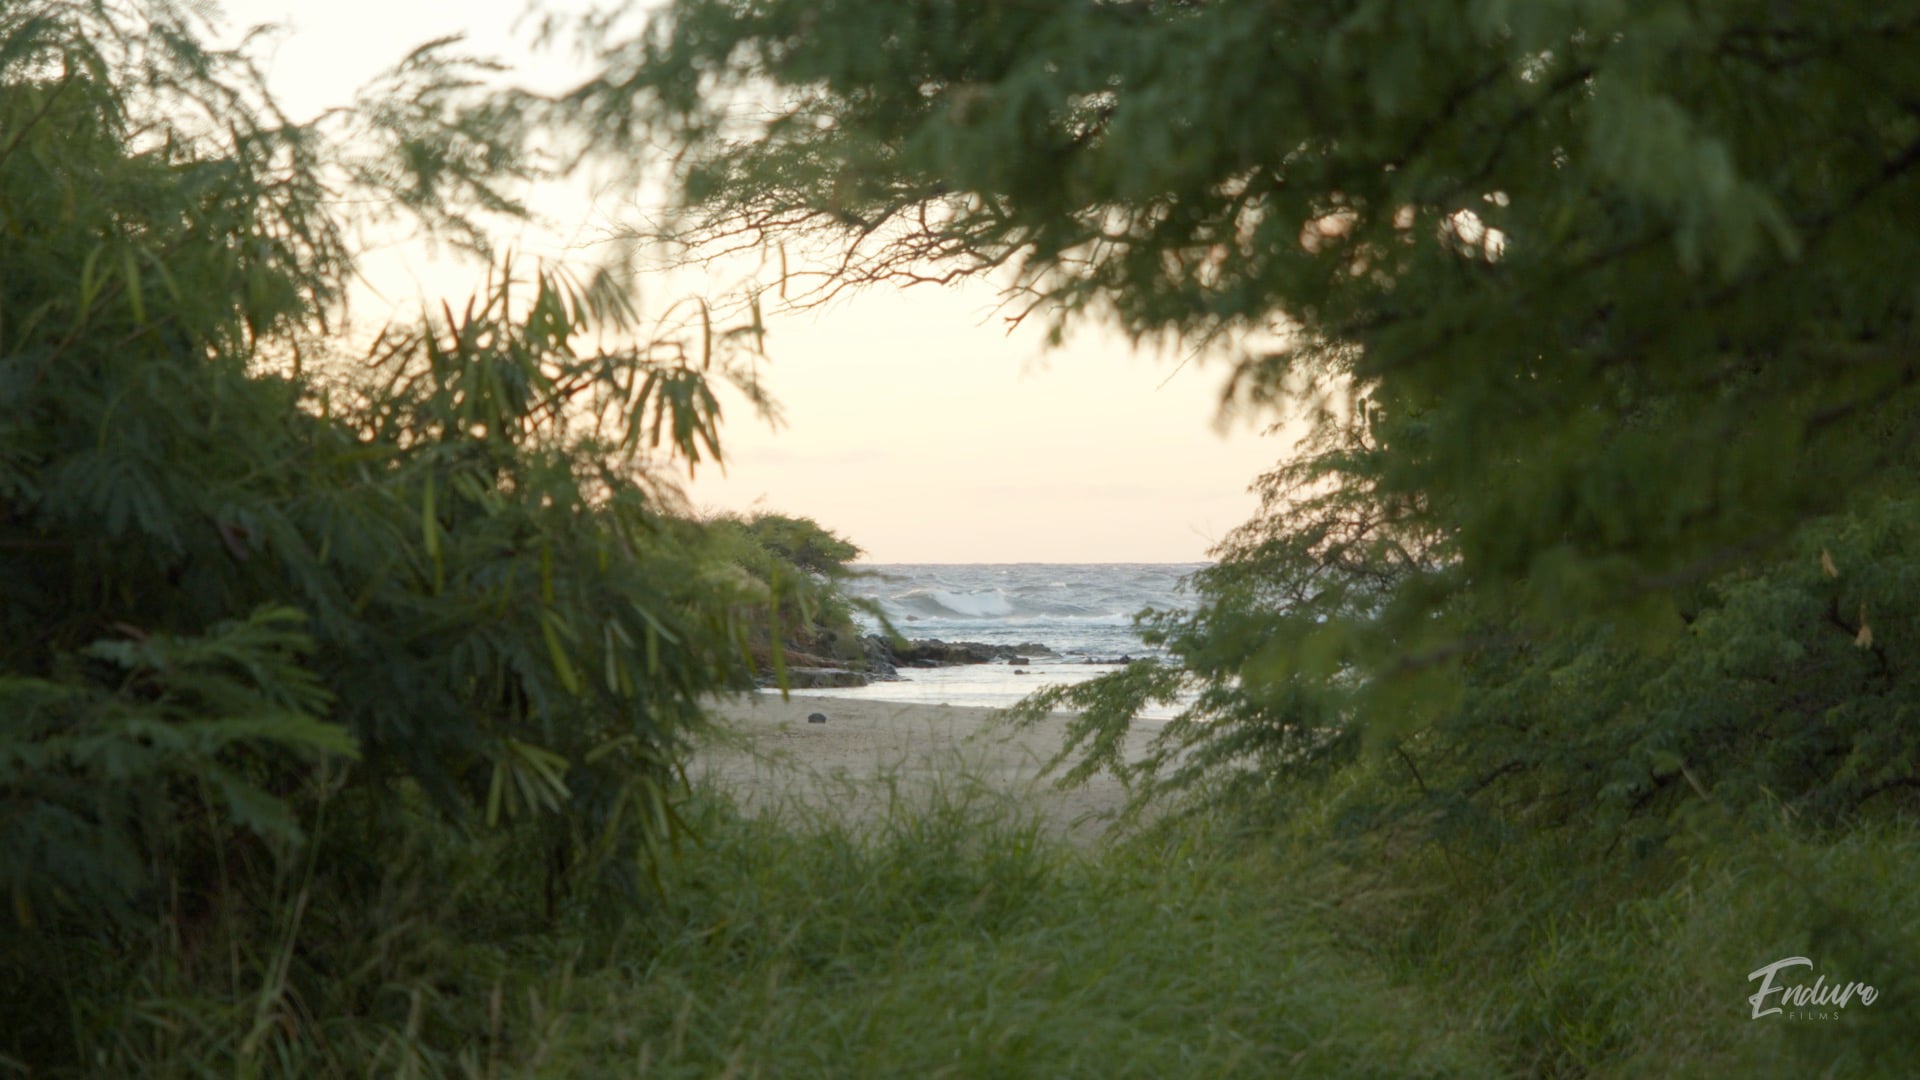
column 1075, row 609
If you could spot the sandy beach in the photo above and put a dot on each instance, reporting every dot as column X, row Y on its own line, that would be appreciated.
column 870, row 756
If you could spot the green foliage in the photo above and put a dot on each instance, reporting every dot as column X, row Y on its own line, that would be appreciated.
column 249, row 587
column 803, row 564
column 1605, row 314
column 802, row 542
column 1693, row 214
column 957, row 936
column 1583, row 627
column 1778, row 690
column 340, row 707
column 94, row 768
column 776, row 548
column 957, row 939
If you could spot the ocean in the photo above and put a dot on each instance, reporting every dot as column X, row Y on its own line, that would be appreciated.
column 1081, row 611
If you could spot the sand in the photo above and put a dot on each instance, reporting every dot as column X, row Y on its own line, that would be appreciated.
column 871, row 757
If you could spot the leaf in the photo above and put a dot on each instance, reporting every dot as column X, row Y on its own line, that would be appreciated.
column 287, row 729
column 89, row 283
column 254, row 809
column 1826, row 564
column 525, row 775
column 134, row 298
column 430, row 533
column 550, row 628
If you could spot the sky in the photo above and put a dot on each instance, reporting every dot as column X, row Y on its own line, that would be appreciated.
column 913, row 422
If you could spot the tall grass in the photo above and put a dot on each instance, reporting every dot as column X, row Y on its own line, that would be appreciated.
column 953, row 935
column 1567, row 964
column 957, row 939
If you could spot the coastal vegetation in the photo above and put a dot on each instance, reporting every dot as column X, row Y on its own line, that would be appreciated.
column 284, row 630
column 1564, row 680
column 1599, row 557
column 799, row 565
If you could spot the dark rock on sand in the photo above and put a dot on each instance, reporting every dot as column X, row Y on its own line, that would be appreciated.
column 932, row 652
column 821, row 678
column 817, row 718
column 879, row 657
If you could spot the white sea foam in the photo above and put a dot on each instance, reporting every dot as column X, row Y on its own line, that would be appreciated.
column 967, row 605
column 1081, row 611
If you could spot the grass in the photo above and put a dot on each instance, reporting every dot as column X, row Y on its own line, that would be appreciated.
column 954, row 936
column 952, row 941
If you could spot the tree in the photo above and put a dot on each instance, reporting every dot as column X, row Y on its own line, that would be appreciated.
column 249, row 586
column 1606, row 311
column 803, row 542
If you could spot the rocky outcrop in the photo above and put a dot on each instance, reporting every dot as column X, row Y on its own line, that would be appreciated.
column 823, row 678
column 816, row 670
column 932, row 652
column 879, row 659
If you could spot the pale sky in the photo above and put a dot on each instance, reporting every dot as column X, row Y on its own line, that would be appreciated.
column 914, row 424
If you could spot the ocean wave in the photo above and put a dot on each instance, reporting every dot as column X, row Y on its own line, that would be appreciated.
column 1075, row 609
column 990, row 604
column 977, row 605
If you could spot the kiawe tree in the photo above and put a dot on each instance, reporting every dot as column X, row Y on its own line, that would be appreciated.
column 1607, row 311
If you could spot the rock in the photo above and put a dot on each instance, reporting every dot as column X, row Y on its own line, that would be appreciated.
column 879, row 657
column 884, row 657
column 932, row 652
column 820, row 678
column 800, row 658
column 816, row 718
column 1018, row 661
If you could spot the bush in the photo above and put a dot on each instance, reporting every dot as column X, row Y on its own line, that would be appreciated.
column 249, row 593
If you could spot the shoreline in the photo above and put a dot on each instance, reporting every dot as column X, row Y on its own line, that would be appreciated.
column 871, row 757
